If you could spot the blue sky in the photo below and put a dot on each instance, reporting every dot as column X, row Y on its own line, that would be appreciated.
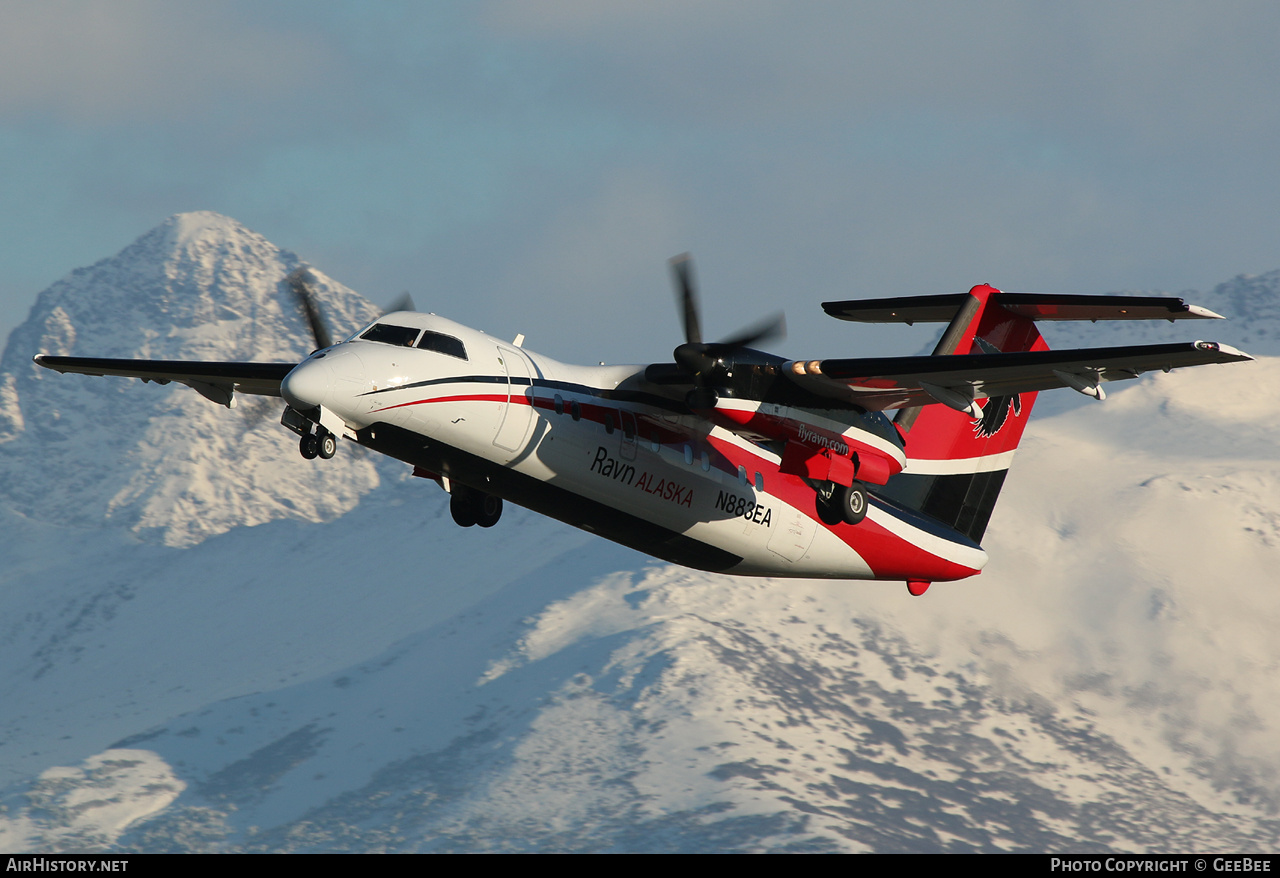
column 529, row 166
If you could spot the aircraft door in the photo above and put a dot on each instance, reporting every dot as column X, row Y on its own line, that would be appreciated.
column 628, row 448
column 516, row 416
column 793, row 533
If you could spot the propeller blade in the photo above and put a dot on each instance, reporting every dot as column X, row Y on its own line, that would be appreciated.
column 687, row 294
column 698, row 359
column 404, row 302
column 773, row 326
column 299, row 282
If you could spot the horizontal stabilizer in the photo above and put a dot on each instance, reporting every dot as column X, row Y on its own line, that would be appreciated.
column 1036, row 306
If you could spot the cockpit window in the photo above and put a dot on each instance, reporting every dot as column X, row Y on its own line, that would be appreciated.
column 444, row 344
column 389, row 333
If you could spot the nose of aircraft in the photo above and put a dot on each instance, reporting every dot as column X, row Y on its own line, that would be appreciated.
column 307, row 385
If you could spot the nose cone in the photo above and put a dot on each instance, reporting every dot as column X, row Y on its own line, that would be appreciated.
column 308, row 385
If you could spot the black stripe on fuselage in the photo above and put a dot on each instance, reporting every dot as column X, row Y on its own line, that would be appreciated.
column 652, row 400
column 545, row 498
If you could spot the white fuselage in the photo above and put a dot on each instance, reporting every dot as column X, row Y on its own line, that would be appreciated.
column 601, row 448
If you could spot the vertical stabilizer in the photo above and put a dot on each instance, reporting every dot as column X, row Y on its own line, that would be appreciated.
column 956, row 462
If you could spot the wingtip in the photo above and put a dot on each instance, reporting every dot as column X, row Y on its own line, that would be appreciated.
column 1224, row 349
column 1203, row 313
column 1235, row 352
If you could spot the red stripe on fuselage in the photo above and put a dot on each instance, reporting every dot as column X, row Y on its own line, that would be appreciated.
column 889, row 555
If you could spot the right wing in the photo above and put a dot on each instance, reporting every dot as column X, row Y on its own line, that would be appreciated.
column 214, row 381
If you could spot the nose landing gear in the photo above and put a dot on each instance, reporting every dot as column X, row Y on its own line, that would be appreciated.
column 322, row 444
column 328, row 445
column 309, row 446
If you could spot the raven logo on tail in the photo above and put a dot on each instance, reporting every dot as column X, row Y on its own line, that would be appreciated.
column 995, row 413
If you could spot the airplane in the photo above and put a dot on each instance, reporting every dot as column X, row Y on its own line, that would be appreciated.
column 728, row 459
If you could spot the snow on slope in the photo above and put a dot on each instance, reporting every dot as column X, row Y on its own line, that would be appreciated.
column 1252, row 302
column 81, row 450
column 1107, row 684
column 385, row 681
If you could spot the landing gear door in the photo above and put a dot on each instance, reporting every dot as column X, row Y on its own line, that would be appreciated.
column 516, row 417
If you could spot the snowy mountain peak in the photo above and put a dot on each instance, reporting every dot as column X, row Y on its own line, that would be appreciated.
column 164, row 461
column 1250, row 304
column 186, row 230
column 1253, row 303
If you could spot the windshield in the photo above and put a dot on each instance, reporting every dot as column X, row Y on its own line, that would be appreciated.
column 389, row 333
column 444, row 344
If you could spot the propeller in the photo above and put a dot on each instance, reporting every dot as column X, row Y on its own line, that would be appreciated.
column 299, row 281
column 403, row 302
column 687, row 292
column 708, row 361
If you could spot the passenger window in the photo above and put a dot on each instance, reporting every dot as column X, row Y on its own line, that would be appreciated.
column 759, row 482
column 688, row 455
column 559, row 404
column 742, row 475
column 608, row 422
column 628, row 426
column 443, row 344
column 389, row 333
column 706, row 462
column 575, row 411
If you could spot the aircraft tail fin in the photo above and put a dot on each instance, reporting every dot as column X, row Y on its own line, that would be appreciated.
column 956, row 461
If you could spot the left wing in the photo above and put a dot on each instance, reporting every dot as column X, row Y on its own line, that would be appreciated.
column 898, row 382
column 214, row 381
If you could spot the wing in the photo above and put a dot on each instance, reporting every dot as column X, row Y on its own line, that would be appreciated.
column 897, row 382
column 215, row 381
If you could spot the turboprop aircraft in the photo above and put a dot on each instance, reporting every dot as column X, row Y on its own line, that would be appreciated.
column 728, row 459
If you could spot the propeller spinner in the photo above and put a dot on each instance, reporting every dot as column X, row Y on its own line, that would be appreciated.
column 705, row 362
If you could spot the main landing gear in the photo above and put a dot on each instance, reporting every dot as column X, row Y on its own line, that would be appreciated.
column 469, row 506
column 322, row 444
column 837, row 503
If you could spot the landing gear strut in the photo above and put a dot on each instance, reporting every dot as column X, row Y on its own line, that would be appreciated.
column 469, row 506
column 837, row 503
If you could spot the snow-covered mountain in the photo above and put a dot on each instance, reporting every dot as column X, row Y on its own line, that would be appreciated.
column 1252, row 302
column 367, row 676
column 162, row 461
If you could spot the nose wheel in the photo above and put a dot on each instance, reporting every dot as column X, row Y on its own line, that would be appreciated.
column 328, row 446
column 323, row 445
column 309, row 446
